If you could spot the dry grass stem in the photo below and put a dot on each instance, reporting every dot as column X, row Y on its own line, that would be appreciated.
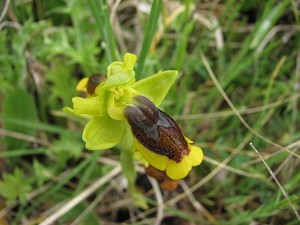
column 160, row 201
column 232, row 169
column 197, row 205
column 4, row 11
column 79, row 198
column 92, row 205
column 24, row 137
column 277, row 182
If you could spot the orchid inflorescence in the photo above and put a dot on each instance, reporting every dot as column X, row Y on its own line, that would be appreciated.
column 117, row 103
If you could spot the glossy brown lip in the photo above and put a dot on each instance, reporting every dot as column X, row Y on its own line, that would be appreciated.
column 93, row 82
column 154, row 129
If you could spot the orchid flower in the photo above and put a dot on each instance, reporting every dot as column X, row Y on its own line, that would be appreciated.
column 118, row 103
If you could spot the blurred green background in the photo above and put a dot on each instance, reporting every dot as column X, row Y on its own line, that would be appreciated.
column 253, row 50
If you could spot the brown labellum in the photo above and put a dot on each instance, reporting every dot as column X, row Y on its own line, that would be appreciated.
column 166, row 183
column 82, row 94
column 93, row 82
column 169, row 184
column 156, row 130
column 155, row 173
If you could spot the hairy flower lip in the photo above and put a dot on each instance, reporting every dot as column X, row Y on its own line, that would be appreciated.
column 155, row 129
column 174, row 170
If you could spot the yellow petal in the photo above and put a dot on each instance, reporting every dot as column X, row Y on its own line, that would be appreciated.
column 138, row 156
column 177, row 171
column 180, row 170
column 89, row 106
column 156, row 160
column 188, row 140
column 195, row 155
column 82, row 84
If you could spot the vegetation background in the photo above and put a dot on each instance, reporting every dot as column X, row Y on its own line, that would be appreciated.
column 239, row 64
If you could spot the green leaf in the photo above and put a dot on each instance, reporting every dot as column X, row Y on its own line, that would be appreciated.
column 157, row 86
column 15, row 186
column 102, row 132
column 271, row 18
column 18, row 105
column 40, row 172
column 65, row 148
column 60, row 77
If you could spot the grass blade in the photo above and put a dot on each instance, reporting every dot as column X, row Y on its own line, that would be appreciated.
column 99, row 10
column 149, row 33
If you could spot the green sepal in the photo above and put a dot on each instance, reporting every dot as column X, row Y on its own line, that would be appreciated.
column 102, row 132
column 90, row 106
column 156, row 87
column 71, row 112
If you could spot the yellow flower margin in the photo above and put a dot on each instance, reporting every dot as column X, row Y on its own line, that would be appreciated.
column 174, row 170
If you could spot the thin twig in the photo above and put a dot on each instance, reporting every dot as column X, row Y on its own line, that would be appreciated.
column 197, row 205
column 211, row 22
column 5, row 8
column 79, row 198
column 24, row 137
column 92, row 205
column 10, row 24
column 232, row 169
column 273, row 32
column 160, row 201
column 273, row 154
column 277, row 182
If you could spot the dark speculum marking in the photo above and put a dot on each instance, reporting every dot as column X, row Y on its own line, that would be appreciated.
column 82, row 94
column 154, row 129
column 93, row 82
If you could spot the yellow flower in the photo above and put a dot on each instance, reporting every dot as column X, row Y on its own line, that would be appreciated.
column 119, row 103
